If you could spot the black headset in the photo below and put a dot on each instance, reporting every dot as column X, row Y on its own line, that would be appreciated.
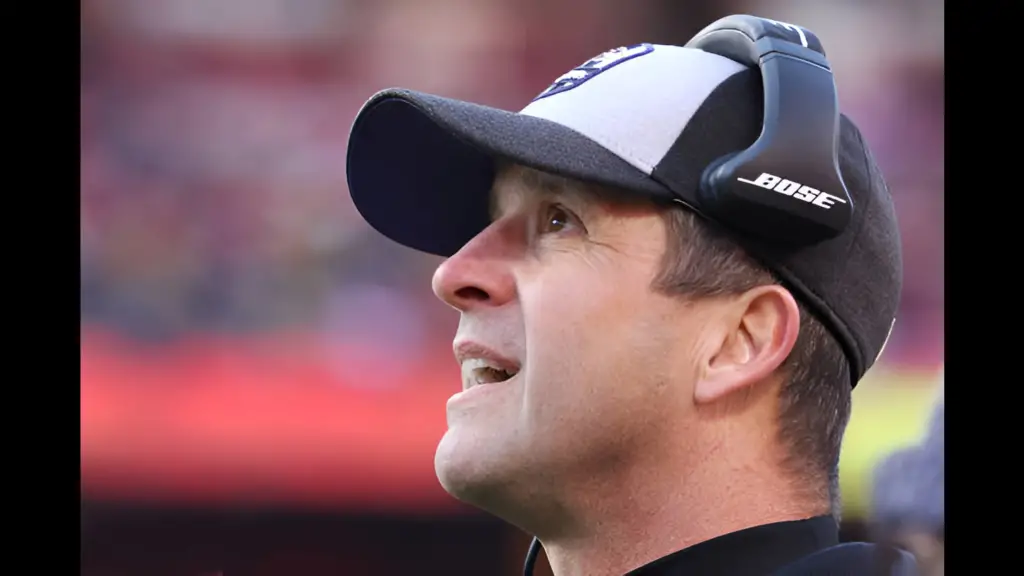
column 796, row 157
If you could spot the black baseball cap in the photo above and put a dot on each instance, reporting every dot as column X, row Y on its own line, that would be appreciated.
column 646, row 119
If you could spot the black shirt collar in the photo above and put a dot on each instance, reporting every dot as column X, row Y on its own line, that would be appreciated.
column 752, row 552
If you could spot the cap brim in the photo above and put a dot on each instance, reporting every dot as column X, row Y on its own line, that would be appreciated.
column 420, row 167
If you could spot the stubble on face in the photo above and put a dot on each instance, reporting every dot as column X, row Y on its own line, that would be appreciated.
column 603, row 355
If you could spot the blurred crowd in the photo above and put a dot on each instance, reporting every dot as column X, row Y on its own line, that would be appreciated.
column 909, row 496
column 213, row 137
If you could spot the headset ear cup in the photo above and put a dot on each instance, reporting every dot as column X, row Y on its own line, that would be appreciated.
column 710, row 182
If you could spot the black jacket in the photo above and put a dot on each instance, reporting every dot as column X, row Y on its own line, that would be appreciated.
column 799, row 548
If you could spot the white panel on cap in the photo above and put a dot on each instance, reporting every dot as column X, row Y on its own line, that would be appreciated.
column 639, row 107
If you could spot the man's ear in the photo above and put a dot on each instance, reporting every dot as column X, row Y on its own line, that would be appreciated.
column 758, row 331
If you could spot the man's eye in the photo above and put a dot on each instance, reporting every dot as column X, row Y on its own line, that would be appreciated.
column 555, row 219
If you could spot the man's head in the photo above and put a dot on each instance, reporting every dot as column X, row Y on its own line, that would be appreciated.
column 631, row 330
column 611, row 321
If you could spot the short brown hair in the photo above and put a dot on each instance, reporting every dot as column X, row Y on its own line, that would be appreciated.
column 701, row 260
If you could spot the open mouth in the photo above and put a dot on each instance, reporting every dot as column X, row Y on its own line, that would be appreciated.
column 492, row 375
column 479, row 371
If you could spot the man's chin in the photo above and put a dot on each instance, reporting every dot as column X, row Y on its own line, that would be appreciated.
column 493, row 481
column 471, row 471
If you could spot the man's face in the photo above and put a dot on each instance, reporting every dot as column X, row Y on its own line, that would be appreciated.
column 571, row 362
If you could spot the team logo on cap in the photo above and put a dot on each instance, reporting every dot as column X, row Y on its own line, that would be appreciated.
column 593, row 67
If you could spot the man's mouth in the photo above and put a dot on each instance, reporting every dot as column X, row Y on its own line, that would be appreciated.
column 476, row 371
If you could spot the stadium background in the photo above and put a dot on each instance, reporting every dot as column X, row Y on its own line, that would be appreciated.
column 262, row 376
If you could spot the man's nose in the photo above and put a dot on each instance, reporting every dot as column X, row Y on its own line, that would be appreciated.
column 480, row 274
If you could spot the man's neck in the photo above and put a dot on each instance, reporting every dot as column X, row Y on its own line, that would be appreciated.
column 626, row 522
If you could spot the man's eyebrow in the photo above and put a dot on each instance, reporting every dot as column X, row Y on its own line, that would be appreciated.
column 548, row 184
column 533, row 183
column 568, row 189
column 526, row 184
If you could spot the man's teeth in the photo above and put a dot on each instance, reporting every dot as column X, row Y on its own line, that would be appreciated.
column 481, row 371
column 491, row 375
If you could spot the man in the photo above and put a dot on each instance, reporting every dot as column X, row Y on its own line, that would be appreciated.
column 648, row 389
